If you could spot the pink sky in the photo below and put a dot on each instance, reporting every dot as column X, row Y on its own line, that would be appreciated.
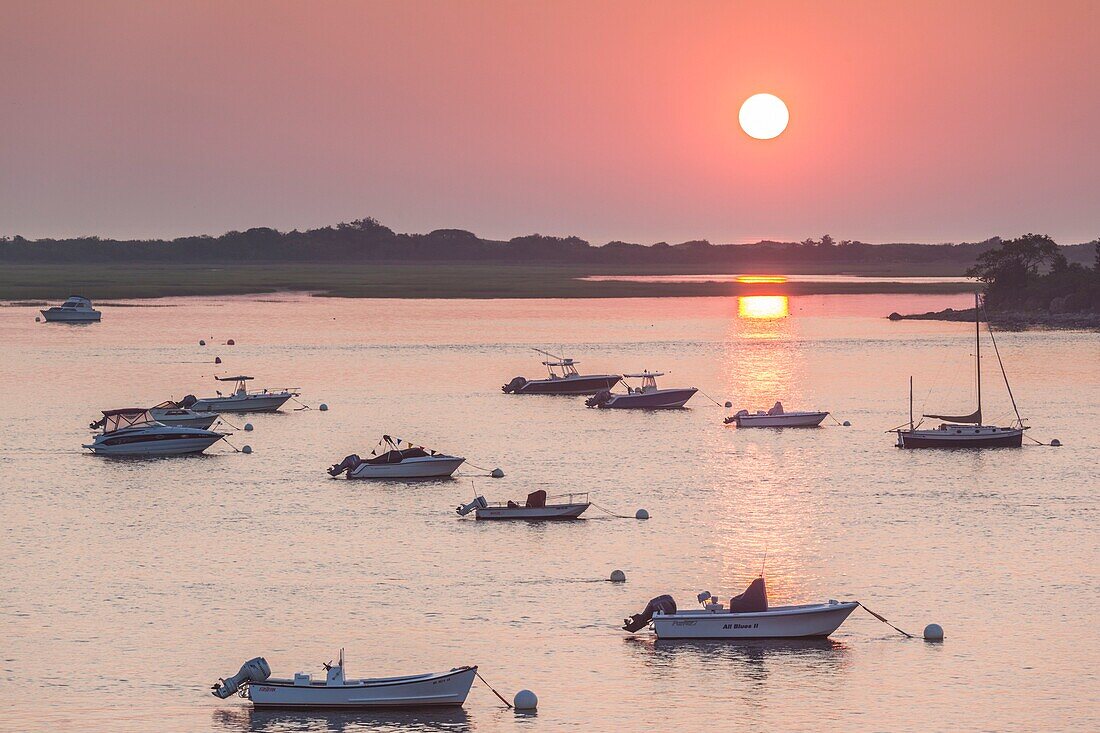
column 910, row 121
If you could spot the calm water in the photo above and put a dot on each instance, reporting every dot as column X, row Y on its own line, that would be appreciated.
column 730, row 278
column 129, row 586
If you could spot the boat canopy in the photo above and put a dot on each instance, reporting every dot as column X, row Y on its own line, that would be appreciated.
column 118, row 419
column 643, row 375
column 234, row 379
column 777, row 409
column 753, row 600
column 166, row 405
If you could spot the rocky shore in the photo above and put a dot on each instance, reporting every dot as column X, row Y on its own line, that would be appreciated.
column 1011, row 319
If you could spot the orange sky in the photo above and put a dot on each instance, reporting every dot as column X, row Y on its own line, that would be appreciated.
column 910, row 121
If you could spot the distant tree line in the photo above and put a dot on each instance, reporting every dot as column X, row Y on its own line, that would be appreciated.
column 367, row 240
column 1032, row 273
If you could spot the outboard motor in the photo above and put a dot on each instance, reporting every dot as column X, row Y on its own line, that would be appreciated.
column 478, row 503
column 187, row 401
column 254, row 670
column 599, row 399
column 348, row 464
column 665, row 604
column 514, row 386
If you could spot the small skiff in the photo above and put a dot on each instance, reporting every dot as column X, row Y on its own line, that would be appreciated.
column 254, row 682
column 534, row 509
column 777, row 418
column 747, row 616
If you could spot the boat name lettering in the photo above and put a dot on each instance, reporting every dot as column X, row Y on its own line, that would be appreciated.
column 740, row 626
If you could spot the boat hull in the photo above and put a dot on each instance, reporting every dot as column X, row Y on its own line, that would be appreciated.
column 661, row 399
column 252, row 403
column 783, row 622
column 786, row 420
column 428, row 690
column 161, row 445
column 410, row 468
column 962, row 437
column 552, row 512
column 57, row 316
column 580, row 385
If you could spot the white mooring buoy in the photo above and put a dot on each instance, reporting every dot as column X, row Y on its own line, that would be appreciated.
column 323, row 407
column 496, row 473
column 1055, row 443
column 933, row 632
column 246, row 450
column 525, row 700
column 641, row 514
column 618, row 576
column 248, row 427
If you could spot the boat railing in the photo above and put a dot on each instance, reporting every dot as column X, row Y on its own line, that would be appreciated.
column 583, row 499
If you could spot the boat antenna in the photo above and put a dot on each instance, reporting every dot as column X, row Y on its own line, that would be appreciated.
column 764, row 561
column 978, row 349
column 1001, row 364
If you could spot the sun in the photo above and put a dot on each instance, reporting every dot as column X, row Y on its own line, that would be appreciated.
column 763, row 116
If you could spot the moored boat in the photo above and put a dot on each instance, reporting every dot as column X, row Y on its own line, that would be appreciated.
column 747, row 616
column 134, row 432
column 173, row 414
column 254, row 682
column 647, row 396
column 777, row 417
column 965, row 431
column 534, row 509
column 394, row 458
column 563, row 379
column 242, row 399
column 77, row 309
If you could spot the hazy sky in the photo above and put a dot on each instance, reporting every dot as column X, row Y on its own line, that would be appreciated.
column 910, row 121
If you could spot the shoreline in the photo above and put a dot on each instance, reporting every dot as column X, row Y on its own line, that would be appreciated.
column 1010, row 320
column 35, row 283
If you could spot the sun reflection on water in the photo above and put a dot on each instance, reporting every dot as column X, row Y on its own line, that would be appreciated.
column 765, row 307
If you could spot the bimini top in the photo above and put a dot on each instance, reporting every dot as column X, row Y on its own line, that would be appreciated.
column 561, row 363
column 234, row 379
column 643, row 375
column 118, row 419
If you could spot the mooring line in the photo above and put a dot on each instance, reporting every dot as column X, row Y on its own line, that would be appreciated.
column 883, row 620
column 506, row 703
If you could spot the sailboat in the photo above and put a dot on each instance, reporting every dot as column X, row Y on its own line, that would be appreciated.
column 965, row 431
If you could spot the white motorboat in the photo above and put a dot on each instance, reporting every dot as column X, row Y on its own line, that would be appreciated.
column 242, row 399
column 562, row 379
column 77, row 309
column 966, row 431
column 534, row 509
column 747, row 616
column 173, row 414
column 645, row 397
column 254, row 682
column 394, row 458
column 134, row 432
column 777, row 417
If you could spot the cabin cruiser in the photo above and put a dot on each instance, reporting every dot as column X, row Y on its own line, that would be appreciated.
column 77, row 309
column 747, row 616
column 242, row 399
column 645, row 397
column 173, row 414
column 134, row 432
column 397, row 458
column 777, row 417
column 535, row 508
column 562, row 379
column 965, row 431
column 254, row 682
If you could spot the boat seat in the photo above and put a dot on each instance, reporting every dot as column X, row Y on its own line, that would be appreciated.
column 753, row 600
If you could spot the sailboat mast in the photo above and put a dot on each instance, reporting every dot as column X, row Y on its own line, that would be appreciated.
column 978, row 350
column 910, row 401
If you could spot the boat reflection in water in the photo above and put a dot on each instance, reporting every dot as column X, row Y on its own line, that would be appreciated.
column 251, row 720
